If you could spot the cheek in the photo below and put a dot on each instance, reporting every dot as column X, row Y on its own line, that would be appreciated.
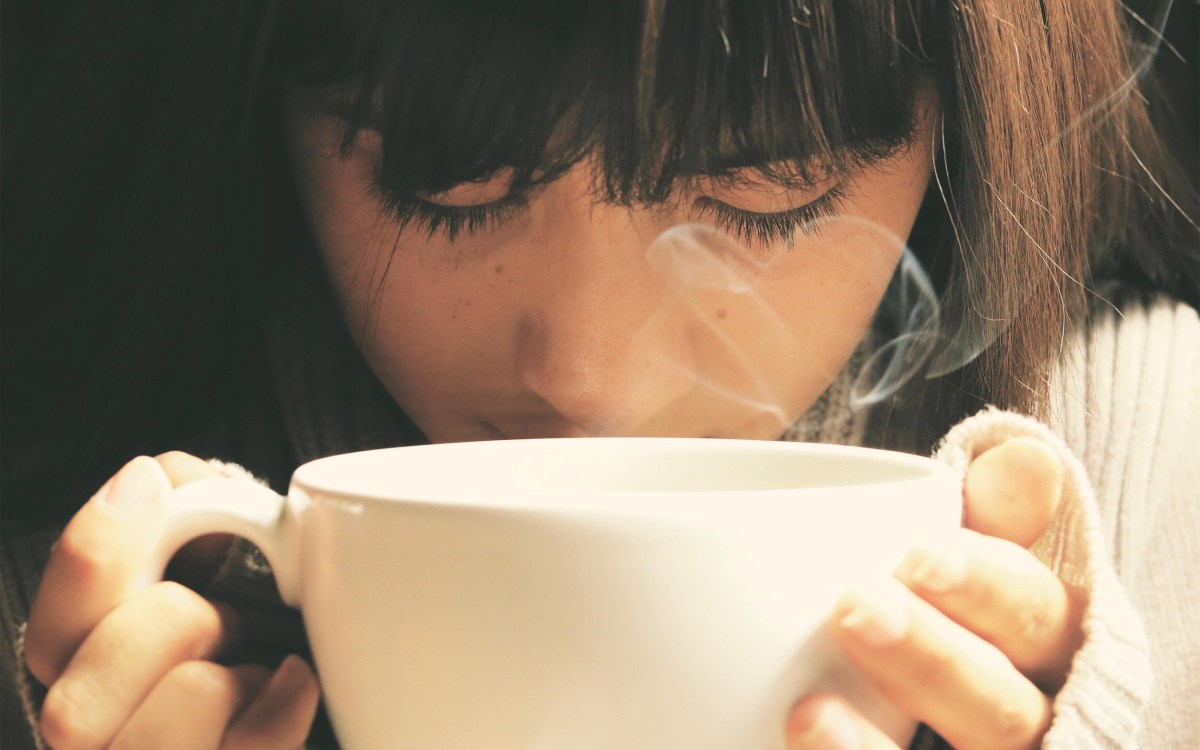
column 818, row 306
column 358, row 243
column 433, row 330
column 811, row 308
column 420, row 330
column 380, row 274
column 830, row 288
column 401, row 327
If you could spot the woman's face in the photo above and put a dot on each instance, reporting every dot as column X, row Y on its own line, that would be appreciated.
column 562, row 315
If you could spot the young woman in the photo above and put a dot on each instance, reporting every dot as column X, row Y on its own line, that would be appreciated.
column 267, row 232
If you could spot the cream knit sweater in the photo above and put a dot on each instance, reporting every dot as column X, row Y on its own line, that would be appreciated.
column 1127, row 398
column 1128, row 405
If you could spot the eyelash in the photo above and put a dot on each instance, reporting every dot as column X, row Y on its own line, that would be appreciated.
column 750, row 226
column 777, row 227
column 450, row 221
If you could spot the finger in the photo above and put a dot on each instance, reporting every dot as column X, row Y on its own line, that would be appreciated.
column 125, row 656
column 938, row 672
column 191, row 707
column 1012, row 490
column 100, row 556
column 183, row 468
column 827, row 722
column 999, row 591
column 279, row 718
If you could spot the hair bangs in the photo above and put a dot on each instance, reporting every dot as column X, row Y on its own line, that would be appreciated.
column 794, row 90
column 656, row 91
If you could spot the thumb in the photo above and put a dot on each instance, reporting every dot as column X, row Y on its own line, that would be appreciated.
column 98, row 559
column 1012, row 490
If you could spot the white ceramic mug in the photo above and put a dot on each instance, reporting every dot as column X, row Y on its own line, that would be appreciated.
column 616, row 593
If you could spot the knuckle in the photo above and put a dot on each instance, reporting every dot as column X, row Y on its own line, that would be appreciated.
column 981, row 596
column 80, row 556
column 64, row 721
column 1037, row 622
column 1014, row 726
column 935, row 664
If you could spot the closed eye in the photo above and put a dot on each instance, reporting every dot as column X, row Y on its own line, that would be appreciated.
column 777, row 227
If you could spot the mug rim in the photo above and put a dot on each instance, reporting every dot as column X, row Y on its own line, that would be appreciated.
column 315, row 477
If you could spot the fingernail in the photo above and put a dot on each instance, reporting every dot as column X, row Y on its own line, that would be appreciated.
column 830, row 731
column 876, row 615
column 937, row 567
column 135, row 485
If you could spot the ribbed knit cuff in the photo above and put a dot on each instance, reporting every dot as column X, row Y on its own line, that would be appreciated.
column 1100, row 705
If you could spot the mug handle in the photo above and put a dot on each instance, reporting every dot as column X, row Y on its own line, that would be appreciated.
column 231, row 506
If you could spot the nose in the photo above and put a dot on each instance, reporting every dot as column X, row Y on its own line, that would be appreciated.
column 599, row 343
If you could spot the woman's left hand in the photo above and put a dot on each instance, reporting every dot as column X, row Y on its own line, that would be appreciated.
column 972, row 635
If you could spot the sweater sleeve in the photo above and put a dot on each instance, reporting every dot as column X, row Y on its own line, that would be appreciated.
column 1128, row 403
column 1125, row 404
column 1101, row 703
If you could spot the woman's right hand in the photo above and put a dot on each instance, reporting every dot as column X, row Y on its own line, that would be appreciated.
column 130, row 666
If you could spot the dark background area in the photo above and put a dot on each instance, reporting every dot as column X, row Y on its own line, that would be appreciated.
column 1181, row 77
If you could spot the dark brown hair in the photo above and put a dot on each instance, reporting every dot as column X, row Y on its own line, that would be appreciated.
column 147, row 201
